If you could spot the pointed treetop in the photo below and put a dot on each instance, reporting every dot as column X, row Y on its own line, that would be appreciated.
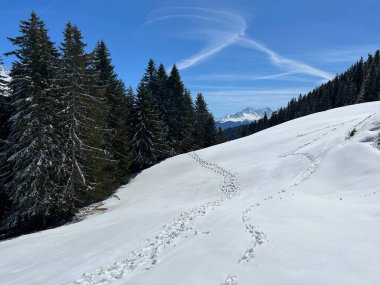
column 33, row 34
column 200, row 102
column 103, row 63
column 161, row 71
column 174, row 71
column 151, row 70
column 72, row 46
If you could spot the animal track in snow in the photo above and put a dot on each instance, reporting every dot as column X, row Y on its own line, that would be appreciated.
column 229, row 186
column 230, row 280
column 258, row 237
column 308, row 172
column 183, row 226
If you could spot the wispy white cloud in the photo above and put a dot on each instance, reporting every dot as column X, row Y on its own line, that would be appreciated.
column 257, row 91
column 249, row 77
column 230, row 29
column 185, row 63
column 222, row 30
column 238, row 95
column 51, row 5
column 291, row 65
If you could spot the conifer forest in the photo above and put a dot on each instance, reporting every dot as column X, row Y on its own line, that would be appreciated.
column 186, row 142
column 72, row 132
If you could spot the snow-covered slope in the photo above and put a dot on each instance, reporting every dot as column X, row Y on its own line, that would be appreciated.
column 294, row 204
column 243, row 117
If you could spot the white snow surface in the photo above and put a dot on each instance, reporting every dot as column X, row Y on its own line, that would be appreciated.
column 298, row 203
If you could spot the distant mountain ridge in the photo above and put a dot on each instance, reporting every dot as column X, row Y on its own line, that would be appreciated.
column 244, row 117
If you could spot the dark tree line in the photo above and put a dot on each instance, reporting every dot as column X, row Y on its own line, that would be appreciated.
column 359, row 84
column 71, row 132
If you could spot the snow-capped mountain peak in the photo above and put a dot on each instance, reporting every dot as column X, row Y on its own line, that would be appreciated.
column 251, row 114
column 243, row 117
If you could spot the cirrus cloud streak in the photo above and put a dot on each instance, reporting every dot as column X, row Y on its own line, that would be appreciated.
column 224, row 29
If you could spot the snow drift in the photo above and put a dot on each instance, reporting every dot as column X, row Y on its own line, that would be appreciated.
column 294, row 204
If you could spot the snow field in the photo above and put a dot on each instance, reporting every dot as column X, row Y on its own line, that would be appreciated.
column 294, row 204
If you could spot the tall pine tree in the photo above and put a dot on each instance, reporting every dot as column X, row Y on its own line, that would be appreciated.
column 142, row 145
column 174, row 109
column 205, row 130
column 83, row 120
column 116, row 118
column 149, row 142
column 35, row 143
column 5, row 112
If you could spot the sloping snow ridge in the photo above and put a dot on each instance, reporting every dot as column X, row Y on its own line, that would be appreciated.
column 294, row 204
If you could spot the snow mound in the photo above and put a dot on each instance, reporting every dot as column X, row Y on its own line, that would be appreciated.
column 294, row 204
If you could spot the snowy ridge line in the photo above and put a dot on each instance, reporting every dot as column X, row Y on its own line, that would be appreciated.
column 148, row 254
column 313, row 160
column 363, row 121
column 326, row 128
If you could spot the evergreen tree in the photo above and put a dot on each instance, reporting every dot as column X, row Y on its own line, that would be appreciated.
column 3, row 83
column 174, row 111
column 35, row 144
column 116, row 119
column 5, row 112
column 188, row 113
column 161, row 97
column 130, row 103
column 220, row 137
column 4, row 105
column 83, row 121
column 205, row 131
column 151, row 82
column 147, row 144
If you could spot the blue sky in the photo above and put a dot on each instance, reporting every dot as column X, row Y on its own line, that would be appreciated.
column 237, row 53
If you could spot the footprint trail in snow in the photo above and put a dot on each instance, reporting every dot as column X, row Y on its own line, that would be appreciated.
column 148, row 254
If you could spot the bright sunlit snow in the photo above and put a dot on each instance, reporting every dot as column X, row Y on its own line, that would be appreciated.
column 294, row 204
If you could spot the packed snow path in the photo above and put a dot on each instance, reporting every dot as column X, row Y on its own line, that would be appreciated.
column 294, row 204
column 148, row 255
